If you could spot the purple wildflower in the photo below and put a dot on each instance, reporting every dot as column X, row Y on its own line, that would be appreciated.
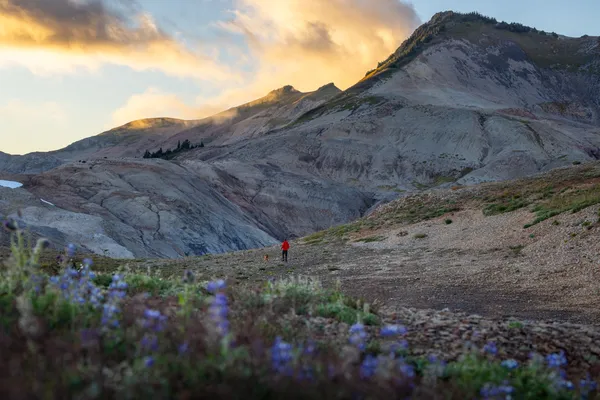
column 116, row 292
column 154, row 320
column 149, row 361
column 183, row 348
column 586, row 386
column 188, row 276
column 368, row 367
column 358, row 336
column 149, row 342
column 393, row 330
column 510, row 364
column 70, row 250
column 491, row 348
column 281, row 356
column 556, row 360
column 406, row 369
column 10, row 225
column 218, row 311
column 215, row 286
column 490, row 390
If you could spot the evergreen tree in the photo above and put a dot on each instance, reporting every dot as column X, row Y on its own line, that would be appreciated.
column 201, row 144
column 147, row 154
column 178, row 144
column 185, row 145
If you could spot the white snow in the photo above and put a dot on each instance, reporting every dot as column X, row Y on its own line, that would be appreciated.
column 10, row 184
column 47, row 202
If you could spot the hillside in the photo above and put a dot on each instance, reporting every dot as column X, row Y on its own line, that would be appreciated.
column 526, row 249
column 464, row 100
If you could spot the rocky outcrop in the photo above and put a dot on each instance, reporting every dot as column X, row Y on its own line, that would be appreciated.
column 31, row 163
column 156, row 208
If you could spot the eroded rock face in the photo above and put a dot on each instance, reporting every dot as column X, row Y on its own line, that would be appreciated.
column 156, row 208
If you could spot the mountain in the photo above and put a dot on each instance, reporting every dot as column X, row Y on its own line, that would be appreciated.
column 276, row 109
column 465, row 99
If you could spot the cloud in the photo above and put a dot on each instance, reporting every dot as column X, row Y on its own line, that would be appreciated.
column 153, row 103
column 30, row 125
column 305, row 43
column 62, row 36
column 156, row 103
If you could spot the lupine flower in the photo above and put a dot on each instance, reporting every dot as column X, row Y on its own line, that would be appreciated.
column 358, row 336
column 368, row 367
column 490, row 348
column 116, row 292
column 308, row 348
column 556, row 360
column 215, row 286
column 77, row 286
column 510, row 364
column 489, row 391
column 10, row 225
column 331, row 372
column 281, row 356
column 188, row 276
column 306, row 373
column 149, row 361
column 399, row 345
column 183, row 348
column 218, row 311
column 586, row 386
column 35, row 282
column 406, row 369
column 393, row 330
column 149, row 342
column 70, row 250
column 154, row 320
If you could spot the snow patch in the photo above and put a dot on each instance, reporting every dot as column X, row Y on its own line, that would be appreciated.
column 10, row 184
column 47, row 202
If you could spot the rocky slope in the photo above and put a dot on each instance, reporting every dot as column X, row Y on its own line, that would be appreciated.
column 156, row 208
column 464, row 100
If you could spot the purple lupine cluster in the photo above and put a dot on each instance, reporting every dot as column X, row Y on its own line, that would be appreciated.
column 153, row 322
column 10, row 224
column 78, row 286
column 219, row 309
column 586, row 386
column 490, row 348
column 281, row 356
column 116, row 292
column 491, row 391
column 358, row 336
column 555, row 362
column 510, row 364
column 370, row 363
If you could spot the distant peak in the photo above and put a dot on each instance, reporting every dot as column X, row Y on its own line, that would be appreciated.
column 282, row 91
column 329, row 86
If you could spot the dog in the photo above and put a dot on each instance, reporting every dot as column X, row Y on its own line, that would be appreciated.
column 266, row 257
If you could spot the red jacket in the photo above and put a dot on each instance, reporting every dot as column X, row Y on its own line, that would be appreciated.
column 285, row 245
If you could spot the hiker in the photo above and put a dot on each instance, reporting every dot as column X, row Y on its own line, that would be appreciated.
column 285, row 246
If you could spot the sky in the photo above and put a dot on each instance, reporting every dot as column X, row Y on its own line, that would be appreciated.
column 70, row 69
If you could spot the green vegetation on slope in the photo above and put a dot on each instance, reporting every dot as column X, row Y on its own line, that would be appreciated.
column 564, row 190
